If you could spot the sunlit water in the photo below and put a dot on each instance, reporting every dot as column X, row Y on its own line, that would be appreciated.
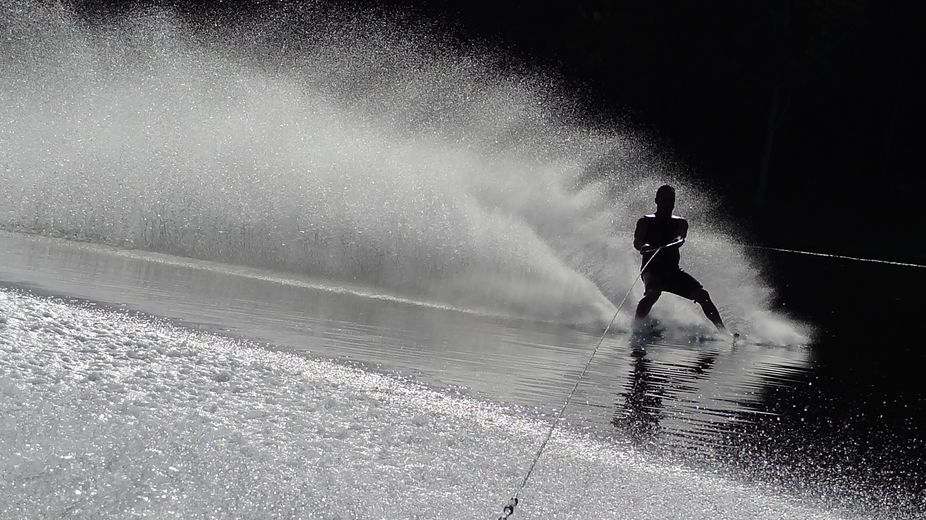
column 522, row 362
column 660, row 407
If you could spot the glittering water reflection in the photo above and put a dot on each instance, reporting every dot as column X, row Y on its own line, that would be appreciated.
column 687, row 393
column 713, row 402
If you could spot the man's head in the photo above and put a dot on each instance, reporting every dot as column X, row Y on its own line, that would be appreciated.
column 665, row 199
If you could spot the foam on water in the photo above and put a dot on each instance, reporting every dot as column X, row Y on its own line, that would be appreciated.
column 355, row 151
column 106, row 415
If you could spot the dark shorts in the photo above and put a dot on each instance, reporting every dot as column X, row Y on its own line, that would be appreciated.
column 674, row 281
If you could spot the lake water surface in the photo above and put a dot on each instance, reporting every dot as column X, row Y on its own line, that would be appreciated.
column 821, row 419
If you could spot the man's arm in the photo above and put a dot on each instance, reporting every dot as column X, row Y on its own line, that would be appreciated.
column 639, row 236
column 682, row 231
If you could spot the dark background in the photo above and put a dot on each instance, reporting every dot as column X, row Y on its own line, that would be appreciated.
column 804, row 115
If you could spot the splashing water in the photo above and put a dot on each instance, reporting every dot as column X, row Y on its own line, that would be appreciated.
column 350, row 151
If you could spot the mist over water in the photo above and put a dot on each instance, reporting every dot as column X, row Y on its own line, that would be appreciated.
column 347, row 150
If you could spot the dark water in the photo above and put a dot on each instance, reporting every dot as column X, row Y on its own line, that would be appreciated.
column 860, row 415
column 844, row 415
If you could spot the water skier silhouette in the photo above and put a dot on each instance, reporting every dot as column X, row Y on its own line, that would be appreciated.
column 662, row 234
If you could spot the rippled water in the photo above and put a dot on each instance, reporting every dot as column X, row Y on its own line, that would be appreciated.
column 727, row 407
column 523, row 362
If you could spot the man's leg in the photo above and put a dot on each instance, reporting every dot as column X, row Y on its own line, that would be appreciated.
column 703, row 298
column 685, row 285
column 650, row 295
column 646, row 303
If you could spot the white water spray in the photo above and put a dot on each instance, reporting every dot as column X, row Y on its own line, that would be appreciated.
column 341, row 153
